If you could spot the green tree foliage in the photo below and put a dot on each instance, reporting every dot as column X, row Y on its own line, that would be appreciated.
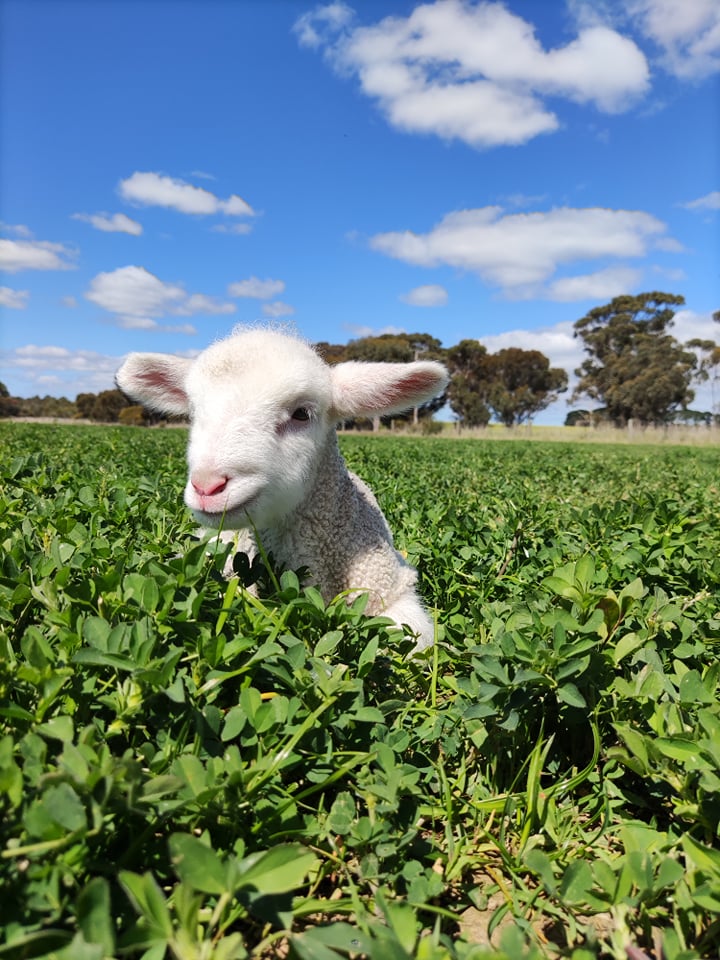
column 635, row 367
column 4, row 392
column 468, row 390
column 522, row 383
column 135, row 416
column 104, row 407
column 395, row 348
column 512, row 385
column 709, row 362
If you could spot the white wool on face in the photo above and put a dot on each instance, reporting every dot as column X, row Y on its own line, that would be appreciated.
column 243, row 393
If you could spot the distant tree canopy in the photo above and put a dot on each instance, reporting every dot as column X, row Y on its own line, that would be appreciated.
column 512, row 385
column 635, row 367
column 467, row 393
column 522, row 383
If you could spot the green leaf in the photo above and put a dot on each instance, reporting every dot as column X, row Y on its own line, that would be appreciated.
column 577, row 882
column 58, row 728
column 625, row 645
column 94, row 915
column 342, row 814
column 277, row 870
column 568, row 693
column 693, row 690
column 562, row 588
column 197, row 864
column 703, row 858
column 322, row 942
column 685, row 750
column 149, row 902
column 327, row 643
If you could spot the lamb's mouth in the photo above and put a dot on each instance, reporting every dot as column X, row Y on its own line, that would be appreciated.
column 230, row 517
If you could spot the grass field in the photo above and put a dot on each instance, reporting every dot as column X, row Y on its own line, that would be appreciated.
column 188, row 772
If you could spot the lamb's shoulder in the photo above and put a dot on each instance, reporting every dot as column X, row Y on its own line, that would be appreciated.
column 344, row 540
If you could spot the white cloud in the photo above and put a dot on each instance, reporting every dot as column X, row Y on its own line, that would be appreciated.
column 333, row 16
column 17, row 255
column 14, row 299
column 137, row 299
column 475, row 72
column 427, row 295
column 521, row 252
column 156, row 190
column 236, row 228
column 70, row 302
column 359, row 331
column 277, row 309
column 257, row 289
column 689, row 325
column 34, row 369
column 18, row 229
column 117, row 223
column 711, row 201
column 558, row 343
column 687, row 31
column 601, row 285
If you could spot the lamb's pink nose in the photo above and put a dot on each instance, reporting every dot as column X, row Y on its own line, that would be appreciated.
column 206, row 484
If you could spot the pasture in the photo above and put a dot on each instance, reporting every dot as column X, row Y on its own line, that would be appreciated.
column 189, row 772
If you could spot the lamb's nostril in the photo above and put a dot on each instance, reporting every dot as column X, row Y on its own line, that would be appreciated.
column 206, row 484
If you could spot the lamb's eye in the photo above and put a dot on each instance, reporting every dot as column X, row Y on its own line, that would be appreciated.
column 301, row 414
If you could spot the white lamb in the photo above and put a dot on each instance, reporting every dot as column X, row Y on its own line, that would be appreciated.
column 263, row 457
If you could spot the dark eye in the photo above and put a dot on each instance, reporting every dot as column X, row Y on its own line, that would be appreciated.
column 301, row 414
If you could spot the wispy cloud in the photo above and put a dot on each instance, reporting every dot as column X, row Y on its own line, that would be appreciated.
column 686, row 31
column 711, row 201
column 240, row 229
column 14, row 299
column 17, row 255
column 157, row 190
column 277, row 309
column 37, row 369
column 256, row 289
column 427, row 295
column 111, row 223
column 522, row 253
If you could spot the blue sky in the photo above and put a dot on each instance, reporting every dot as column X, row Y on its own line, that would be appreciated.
column 171, row 168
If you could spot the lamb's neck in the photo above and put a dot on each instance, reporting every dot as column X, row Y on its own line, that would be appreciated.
column 327, row 492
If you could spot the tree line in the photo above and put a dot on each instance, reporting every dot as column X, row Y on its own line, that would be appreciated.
column 635, row 370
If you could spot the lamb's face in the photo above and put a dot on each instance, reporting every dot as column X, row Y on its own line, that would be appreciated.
column 258, row 424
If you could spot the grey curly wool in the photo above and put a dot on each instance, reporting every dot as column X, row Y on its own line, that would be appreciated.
column 263, row 456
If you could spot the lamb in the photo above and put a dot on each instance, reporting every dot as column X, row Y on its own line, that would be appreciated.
column 263, row 457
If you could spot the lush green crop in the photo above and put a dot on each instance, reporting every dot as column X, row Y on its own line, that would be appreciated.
column 189, row 772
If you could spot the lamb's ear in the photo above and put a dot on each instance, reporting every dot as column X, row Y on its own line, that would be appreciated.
column 156, row 380
column 374, row 389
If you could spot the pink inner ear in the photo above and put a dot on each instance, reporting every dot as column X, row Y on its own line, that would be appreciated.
column 154, row 378
column 418, row 381
column 159, row 379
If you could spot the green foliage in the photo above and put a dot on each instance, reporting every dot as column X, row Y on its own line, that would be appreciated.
column 188, row 771
column 635, row 367
column 512, row 385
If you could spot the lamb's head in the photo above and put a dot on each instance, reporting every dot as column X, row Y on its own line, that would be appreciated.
column 263, row 407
